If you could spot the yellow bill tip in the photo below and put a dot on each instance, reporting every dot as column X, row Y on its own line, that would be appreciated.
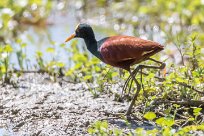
column 70, row 37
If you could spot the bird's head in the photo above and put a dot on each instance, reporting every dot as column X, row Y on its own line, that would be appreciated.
column 82, row 31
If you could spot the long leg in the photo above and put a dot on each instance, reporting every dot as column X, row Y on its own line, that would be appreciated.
column 128, row 80
column 141, row 80
column 137, row 92
column 133, row 74
column 162, row 66
column 125, row 86
column 130, row 87
column 126, row 83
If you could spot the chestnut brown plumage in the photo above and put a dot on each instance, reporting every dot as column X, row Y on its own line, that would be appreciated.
column 125, row 51
column 120, row 51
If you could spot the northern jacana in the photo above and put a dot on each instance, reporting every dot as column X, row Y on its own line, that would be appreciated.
column 120, row 51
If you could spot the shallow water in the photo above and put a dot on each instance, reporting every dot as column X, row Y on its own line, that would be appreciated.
column 40, row 38
column 5, row 132
column 60, row 26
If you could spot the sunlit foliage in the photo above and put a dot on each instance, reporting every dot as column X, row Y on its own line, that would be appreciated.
column 172, row 99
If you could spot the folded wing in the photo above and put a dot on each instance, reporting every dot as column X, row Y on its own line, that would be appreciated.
column 118, row 49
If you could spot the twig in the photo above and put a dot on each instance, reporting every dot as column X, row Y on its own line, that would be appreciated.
column 188, row 86
column 179, row 83
column 110, row 118
column 68, row 81
column 159, row 78
column 190, row 102
column 183, row 117
column 113, row 114
column 28, row 71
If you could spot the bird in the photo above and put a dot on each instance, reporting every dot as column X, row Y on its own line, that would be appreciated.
column 120, row 51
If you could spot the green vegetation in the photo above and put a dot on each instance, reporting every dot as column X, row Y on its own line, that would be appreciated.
column 14, row 14
column 171, row 99
column 163, row 127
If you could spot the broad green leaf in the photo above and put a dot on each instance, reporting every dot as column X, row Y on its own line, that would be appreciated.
column 165, row 122
column 114, row 74
column 191, row 119
column 87, row 77
column 153, row 132
column 3, row 3
column 19, row 41
column 150, row 115
column 60, row 64
column 39, row 53
column 196, row 110
column 50, row 50
column 69, row 72
column 23, row 45
column 8, row 48
column 176, row 105
column 139, row 131
column 62, row 45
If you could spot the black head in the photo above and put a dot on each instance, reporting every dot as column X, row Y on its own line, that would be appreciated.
column 82, row 31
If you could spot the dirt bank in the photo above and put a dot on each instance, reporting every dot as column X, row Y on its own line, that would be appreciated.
column 42, row 107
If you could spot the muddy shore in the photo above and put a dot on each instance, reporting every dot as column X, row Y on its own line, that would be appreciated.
column 42, row 107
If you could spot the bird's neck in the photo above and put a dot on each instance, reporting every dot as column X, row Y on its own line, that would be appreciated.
column 91, row 44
